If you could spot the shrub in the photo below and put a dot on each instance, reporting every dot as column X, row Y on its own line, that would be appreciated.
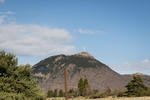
column 16, row 82
column 136, row 87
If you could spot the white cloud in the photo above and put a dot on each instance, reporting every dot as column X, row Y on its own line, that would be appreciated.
column 145, row 61
column 32, row 40
column 2, row 1
column 2, row 18
column 10, row 13
column 5, row 17
column 134, row 67
column 87, row 31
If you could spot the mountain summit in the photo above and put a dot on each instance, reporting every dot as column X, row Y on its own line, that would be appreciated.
column 50, row 72
column 84, row 54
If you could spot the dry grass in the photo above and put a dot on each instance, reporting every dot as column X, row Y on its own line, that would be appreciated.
column 109, row 98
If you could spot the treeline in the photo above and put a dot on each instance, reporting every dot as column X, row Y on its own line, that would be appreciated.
column 61, row 93
column 135, row 88
column 55, row 93
column 16, row 82
column 84, row 89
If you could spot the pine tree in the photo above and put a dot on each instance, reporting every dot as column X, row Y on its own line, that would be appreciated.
column 50, row 93
column 16, row 82
column 136, row 87
column 87, row 89
column 81, row 87
column 61, row 93
column 55, row 93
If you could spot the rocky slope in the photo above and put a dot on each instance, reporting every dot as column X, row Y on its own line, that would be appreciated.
column 50, row 73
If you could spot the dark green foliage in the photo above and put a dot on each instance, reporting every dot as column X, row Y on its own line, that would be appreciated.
column 102, row 95
column 8, row 63
column 72, row 93
column 136, row 87
column 16, row 82
column 94, row 96
column 55, row 93
column 61, row 93
column 83, row 87
column 50, row 93
column 120, row 94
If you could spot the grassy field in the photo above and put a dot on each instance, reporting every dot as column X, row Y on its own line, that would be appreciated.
column 109, row 98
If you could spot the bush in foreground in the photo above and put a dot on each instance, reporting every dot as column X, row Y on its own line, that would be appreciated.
column 16, row 82
column 137, row 88
column 102, row 95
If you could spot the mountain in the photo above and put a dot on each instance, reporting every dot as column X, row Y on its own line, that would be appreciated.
column 50, row 73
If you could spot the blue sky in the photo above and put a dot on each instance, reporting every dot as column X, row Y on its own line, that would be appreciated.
column 116, row 32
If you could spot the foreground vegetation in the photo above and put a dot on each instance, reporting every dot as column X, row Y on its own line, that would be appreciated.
column 108, row 98
column 135, row 88
column 16, row 82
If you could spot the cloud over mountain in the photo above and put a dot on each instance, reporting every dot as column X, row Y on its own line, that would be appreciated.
column 32, row 39
column 133, row 67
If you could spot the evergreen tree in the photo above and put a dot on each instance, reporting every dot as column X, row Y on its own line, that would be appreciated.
column 136, row 87
column 71, row 91
column 50, row 93
column 55, row 93
column 61, row 93
column 16, row 82
column 87, row 89
column 81, row 87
